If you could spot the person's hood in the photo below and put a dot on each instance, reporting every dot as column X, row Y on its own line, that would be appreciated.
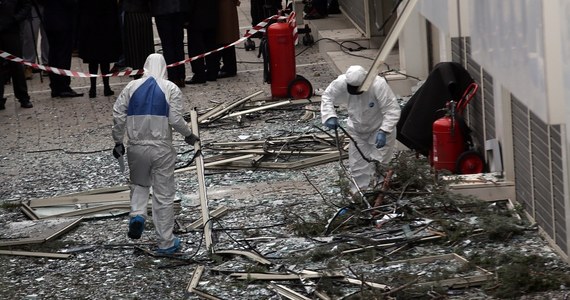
column 355, row 76
column 155, row 66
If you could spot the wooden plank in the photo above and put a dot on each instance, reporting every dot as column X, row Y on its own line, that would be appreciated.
column 321, row 295
column 205, row 295
column 81, row 199
column 72, row 212
column 40, row 231
column 271, row 105
column 28, row 211
column 35, row 254
column 262, row 151
column 223, row 108
column 367, row 283
column 247, row 111
column 287, row 292
column 202, row 184
column 304, row 163
column 388, row 245
column 195, row 279
column 355, row 281
column 215, row 214
column 216, row 163
column 388, row 43
column 276, row 140
column 63, row 230
column 91, row 210
column 249, row 254
column 485, row 191
column 106, row 190
column 277, row 276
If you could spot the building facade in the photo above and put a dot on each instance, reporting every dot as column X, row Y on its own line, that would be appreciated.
column 517, row 51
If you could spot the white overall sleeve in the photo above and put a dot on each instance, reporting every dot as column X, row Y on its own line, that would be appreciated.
column 120, row 114
column 176, row 115
column 335, row 95
column 388, row 103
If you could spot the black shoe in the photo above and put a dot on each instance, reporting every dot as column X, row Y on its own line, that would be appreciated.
column 224, row 74
column 108, row 92
column 92, row 93
column 67, row 94
column 196, row 80
column 26, row 104
column 180, row 83
column 3, row 103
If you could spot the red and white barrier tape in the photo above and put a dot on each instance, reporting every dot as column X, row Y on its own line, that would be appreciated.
column 290, row 19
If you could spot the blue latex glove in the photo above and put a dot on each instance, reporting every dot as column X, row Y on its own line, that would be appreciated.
column 331, row 123
column 380, row 139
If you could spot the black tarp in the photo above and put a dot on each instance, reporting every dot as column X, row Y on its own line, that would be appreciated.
column 447, row 81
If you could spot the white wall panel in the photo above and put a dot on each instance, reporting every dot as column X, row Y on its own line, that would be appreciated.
column 437, row 12
column 565, row 45
column 507, row 39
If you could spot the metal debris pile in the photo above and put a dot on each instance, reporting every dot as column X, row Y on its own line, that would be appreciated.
column 282, row 226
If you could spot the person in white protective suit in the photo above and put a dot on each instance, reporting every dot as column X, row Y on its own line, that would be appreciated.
column 372, row 118
column 147, row 109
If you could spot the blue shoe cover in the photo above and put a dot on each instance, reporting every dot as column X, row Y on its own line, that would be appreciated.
column 136, row 227
column 170, row 250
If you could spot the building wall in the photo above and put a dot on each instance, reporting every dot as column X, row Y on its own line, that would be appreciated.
column 369, row 16
column 521, row 70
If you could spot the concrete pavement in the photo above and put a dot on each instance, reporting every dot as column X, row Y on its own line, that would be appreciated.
column 84, row 124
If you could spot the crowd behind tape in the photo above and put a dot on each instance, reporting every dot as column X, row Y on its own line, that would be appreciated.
column 259, row 27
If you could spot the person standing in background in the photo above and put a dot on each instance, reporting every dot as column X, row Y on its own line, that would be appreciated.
column 169, row 16
column 12, row 12
column 32, row 32
column 262, row 9
column 99, row 39
column 59, row 21
column 228, row 32
column 201, row 27
column 138, row 39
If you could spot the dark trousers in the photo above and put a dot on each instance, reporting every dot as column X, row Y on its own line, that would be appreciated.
column 170, row 29
column 61, row 46
column 201, row 41
column 229, row 60
column 10, row 42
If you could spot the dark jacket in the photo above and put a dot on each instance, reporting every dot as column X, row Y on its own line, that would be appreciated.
column 59, row 15
column 202, row 15
column 12, row 12
column 165, row 7
column 228, row 25
column 99, row 31
column 139, row 6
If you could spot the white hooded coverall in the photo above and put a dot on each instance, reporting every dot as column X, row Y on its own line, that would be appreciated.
column 147, row 109
column 373, row 110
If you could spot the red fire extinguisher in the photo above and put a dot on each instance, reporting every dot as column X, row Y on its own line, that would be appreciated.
column 448, row 141
column 451, row 150
column 281, row 63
